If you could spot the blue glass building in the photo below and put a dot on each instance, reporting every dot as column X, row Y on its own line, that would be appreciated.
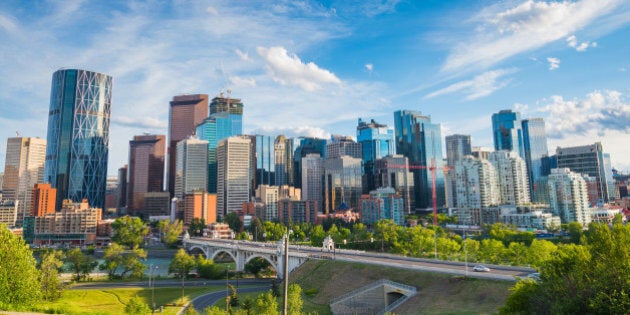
column 225, row 120
column 421, row 142
column 78, row 135
column 507, row 132
column 535, row 147
column 377, row 142
column 265, row 161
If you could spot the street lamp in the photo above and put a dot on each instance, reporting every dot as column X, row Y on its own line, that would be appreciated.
column 152, row 285
column 465, row 255
column 227, row 289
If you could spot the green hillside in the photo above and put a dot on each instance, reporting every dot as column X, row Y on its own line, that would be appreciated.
column 437, row 293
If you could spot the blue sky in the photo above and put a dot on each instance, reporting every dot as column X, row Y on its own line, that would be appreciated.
column 314, row 67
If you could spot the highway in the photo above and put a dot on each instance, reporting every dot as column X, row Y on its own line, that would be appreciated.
column 497, row 272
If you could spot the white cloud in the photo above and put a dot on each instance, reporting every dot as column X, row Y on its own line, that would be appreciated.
column 243, row 82
column 501, row 33
column 369, row 67
column 140, row 122
column 243, row 55
column 290, row 70
column 8, row 23
column 212, row 11
column 573, row 42
column 601, row 111
column 554, row 63
column 481, row 85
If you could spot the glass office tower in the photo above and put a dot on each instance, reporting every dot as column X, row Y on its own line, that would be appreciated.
column 377, row 142
column 78, row 135
column 421, row 141
column 535, row 147
column 507, row 132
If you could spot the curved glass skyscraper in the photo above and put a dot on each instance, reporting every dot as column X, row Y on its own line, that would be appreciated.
column 78, row 135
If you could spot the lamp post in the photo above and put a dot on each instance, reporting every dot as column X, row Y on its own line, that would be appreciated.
column 152, row 286
column 227, row 289
column 465, row 255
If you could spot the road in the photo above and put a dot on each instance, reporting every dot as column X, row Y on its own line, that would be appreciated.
column 201, row 302
column 166, row 283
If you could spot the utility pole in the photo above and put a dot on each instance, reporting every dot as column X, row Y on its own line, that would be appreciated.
column 286, row 274
column 227, row 289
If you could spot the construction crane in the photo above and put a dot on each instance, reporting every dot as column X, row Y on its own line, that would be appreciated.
column 431, row 168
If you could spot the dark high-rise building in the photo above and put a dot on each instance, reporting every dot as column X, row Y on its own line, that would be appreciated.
column 535, row 147
column 186, row 112
column 306, row 146
column 78, row 136
column 421, row 142
column 377, row 141
column 121, row 190
column 589, row 160
column 507, row 132
column 146, row 169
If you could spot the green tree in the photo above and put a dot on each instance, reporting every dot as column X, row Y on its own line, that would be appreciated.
column 181, row 265
column 196, row 227
column 242, row 236
column 136, row 305
column 294, row 299
column 126, row 261
column 247, row 305
column 19, row 285
column 170, row 232
column 50, row 265
column 207, row 269
column 540, row 251
column 234, row 301
column 80, row 264
column 317, row 236
column 214, row 310
column 233, row 220
column 129, row 231
column 266, row 304
column 492, row 251
column 257, row 228
column 256, row 265
column 575, row 231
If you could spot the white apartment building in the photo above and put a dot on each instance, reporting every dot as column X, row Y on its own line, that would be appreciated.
column 476, row 183
column 568, row 196
column 511, row 172
column 191, row 167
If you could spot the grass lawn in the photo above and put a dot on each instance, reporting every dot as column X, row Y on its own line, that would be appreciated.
column 112, row 301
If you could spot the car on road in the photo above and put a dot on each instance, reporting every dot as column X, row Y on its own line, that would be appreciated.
column 480, row 268
column 534, row 276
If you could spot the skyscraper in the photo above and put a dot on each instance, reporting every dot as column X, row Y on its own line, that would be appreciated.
column 225, row 120
column 457, row 147
column 343, row 182
column 393, row 171
column 589, row 160
column 282, row 159
column 191, row 169
column 511, row 173
column 535, row 146
column 507, row 132
column 306, row 146
column 568, row 196
column 477, row 184
column 342, row 145
column 186, row 112
column 377, row 141
column 233, row 170
column 78, row 136
column 23, row 168
column 421, row 141
column 265, row 161
column 146, row 168
column 312, row 179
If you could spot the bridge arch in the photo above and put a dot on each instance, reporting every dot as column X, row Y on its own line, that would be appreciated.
column 196, row 250
column 221, row 250
column 265, row 257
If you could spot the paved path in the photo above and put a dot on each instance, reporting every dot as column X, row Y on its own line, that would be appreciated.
column 201, row 302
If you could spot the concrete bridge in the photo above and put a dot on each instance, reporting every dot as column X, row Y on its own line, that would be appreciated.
column 244, row 251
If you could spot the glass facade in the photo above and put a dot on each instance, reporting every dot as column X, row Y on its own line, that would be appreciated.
column 306, row 146
column 421, row 141
column 78, row 135
column 377, row 141
column 535, row 145
column 507, row 132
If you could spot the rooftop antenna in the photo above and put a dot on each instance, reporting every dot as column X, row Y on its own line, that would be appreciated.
column 17, row 134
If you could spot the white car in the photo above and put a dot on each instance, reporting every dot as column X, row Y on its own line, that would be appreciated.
column 480, row 268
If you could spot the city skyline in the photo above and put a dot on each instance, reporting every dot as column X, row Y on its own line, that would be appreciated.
column 314, row 68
